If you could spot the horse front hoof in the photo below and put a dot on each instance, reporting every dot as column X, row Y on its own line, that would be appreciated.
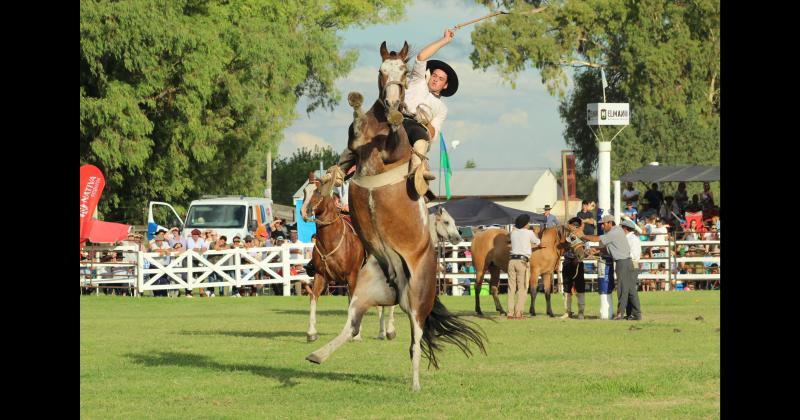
column 313, row 358
column 355, row 99
column 391, row 335
column 533, row 314
column 395, row 118
column 551, row 315
column 502, row 312
column 478, row 312
column 310, row 338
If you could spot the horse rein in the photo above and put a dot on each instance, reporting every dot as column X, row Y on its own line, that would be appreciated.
column 402, row 87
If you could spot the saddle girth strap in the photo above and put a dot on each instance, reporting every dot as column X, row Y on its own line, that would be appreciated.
column 390, row 177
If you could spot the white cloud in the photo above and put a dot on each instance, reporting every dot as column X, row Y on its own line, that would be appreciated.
column 298, row 140
column 518, row 117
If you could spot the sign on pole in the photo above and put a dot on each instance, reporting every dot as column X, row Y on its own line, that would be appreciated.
column 608, row 113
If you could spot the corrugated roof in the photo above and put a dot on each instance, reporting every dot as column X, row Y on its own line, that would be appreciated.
column 490, row 182
column 685, row 173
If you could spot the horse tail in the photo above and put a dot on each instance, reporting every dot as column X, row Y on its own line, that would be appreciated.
column 441, row 325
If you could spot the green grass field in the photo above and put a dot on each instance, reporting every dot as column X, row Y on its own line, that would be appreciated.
column 244, row 358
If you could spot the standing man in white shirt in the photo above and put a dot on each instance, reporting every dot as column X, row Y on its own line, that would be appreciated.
column 519, row 266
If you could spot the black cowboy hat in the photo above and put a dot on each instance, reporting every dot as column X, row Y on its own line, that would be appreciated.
column 452, row 78
column 547, row 207
column 522, row 221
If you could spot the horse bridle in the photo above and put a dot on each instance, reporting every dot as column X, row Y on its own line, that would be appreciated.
column 402, row 107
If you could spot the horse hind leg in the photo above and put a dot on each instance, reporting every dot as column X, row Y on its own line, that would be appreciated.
column 479, row 272
column 319, row 283
column 493, row 285
column 548, row 286
column 371, row 290
column 391, row 332
column 388, row 333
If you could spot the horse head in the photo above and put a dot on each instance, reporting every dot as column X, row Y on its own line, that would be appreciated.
column 446, row 226
column 569, row 240
column 319, row 195
column 392, row 78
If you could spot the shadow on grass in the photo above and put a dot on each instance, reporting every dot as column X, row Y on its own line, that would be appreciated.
column 286, row 376
column 251, row 334
column 339, row 312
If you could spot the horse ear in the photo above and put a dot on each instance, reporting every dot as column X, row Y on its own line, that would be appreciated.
column 384, row 51
column 404, row 51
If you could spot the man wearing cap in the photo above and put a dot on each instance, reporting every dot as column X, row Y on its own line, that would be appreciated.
column 636, row 253
column 551, row 220
column 176, row 237
column 522, row 241
column 617, row 245
column 573, row 275
column 428, row 82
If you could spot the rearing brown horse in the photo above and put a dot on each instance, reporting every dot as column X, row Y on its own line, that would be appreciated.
column 491, row 249
column 392, row 222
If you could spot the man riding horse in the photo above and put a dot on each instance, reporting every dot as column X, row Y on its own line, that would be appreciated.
column 424, row 111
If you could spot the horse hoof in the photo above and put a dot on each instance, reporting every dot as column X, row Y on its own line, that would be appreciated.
column 311, row 337
column 391, row 335
column 533, row 313
column 357, row 338
column 551, row 315
column 478, row 312
column 313, row 358
column 503, row 313
column 395, row 118
column 355, row 99
column 380, row 337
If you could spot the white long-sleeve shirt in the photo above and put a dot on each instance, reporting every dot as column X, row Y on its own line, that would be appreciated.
column 418, row 93
column 635, row 244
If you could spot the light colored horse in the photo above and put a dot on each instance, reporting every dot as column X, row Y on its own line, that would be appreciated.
column 392, row 222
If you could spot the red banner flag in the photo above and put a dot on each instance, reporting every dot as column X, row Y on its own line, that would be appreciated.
column 92, row 183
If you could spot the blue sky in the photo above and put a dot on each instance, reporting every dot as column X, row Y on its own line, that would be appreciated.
column 497, row 126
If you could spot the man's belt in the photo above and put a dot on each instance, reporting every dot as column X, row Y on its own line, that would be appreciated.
column 519, row 257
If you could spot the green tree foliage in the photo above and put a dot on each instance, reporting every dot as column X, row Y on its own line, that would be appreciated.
column 660, row 56
column 470, row 164
column 288, row 174
column 183, row 98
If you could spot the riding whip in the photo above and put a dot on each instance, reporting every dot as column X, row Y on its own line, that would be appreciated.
column 529, row 12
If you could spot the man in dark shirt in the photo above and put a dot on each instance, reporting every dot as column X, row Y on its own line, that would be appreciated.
column 654, row 197
column 587, row 217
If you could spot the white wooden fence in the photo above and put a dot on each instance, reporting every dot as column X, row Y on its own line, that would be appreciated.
column 241, row 267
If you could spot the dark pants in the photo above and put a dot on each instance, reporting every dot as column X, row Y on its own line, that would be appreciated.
column 572, row 273
column 414, row 130
column 628, row 290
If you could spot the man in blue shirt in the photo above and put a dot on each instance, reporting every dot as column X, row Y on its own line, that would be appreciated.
column 551, row 220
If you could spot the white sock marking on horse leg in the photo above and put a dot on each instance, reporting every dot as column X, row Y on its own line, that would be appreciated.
column 325, row 351
column 312, row 319
column 416, row 352
column 390, row 329
column 382, row 331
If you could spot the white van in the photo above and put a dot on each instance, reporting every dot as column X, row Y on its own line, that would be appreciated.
column 229, row 215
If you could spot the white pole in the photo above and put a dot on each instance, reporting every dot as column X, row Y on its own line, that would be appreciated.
column 604, row 178
column 604, row 206
column 617, row 202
